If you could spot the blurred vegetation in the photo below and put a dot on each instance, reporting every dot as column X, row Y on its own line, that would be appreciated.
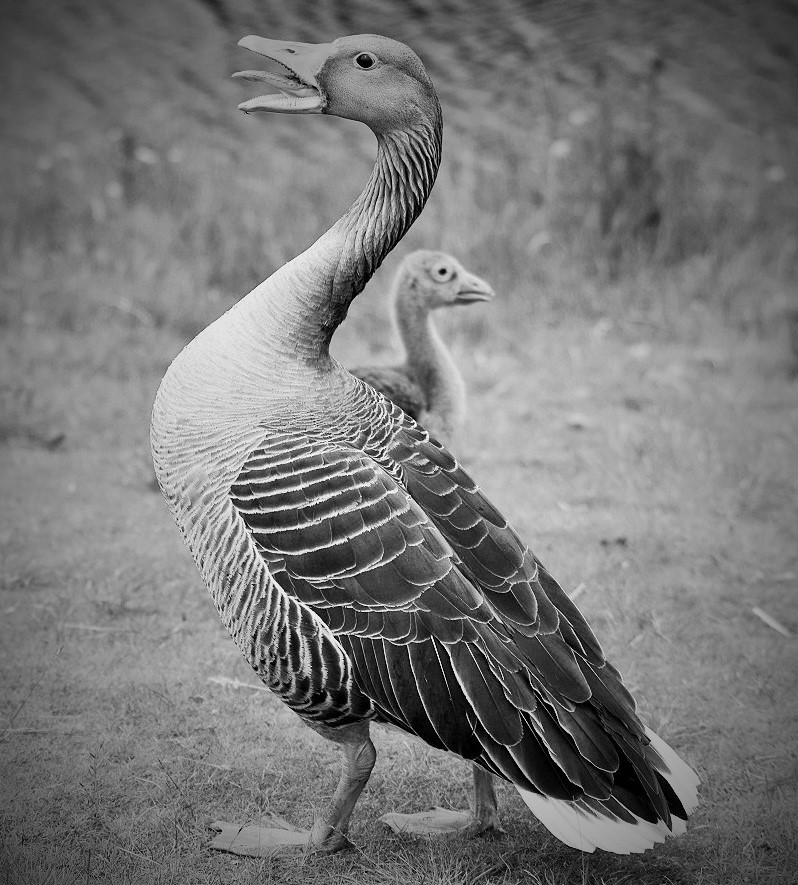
column 591, row 167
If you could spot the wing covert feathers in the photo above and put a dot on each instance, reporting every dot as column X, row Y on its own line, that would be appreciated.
column 451, row 628
column 396, row 385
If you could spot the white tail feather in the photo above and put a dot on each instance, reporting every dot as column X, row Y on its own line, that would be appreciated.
column 583, row 827
column 679, row 775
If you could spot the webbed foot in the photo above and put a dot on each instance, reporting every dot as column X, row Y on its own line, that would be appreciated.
column 253, row 840
column 437, row 822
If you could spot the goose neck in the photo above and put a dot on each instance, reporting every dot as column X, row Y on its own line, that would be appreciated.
column 309, row 297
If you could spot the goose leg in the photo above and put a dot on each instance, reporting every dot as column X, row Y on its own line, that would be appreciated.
column 329, row 830
column 443, row 821
column 486, row 811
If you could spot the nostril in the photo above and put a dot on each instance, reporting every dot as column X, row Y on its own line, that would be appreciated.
column 291, row 51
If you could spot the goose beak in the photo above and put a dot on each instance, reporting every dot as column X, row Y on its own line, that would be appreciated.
column 298, row 91
column 473, row 288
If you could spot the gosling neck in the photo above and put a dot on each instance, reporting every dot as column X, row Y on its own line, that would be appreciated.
column 428, row 359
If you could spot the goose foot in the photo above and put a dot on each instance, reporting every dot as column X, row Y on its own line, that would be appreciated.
column 437, row 822
column 443, row 822
column 253, row 840
column 258, row 841
column 329, row 830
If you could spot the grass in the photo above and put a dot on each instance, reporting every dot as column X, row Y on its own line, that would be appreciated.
column 124, row 752
column 634, row 414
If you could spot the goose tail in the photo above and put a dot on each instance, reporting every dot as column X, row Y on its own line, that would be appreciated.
column 587, row 824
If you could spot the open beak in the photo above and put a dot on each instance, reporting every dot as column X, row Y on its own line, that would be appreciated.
column 472, row 288
column 298, row 92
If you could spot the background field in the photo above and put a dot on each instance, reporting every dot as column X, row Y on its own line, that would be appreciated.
column 625, row 174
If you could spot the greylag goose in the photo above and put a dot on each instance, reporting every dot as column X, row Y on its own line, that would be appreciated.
column 427, row 385
column 359, row 569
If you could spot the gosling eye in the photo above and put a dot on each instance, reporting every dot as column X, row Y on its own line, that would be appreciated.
column 365, row 61
column 442, row 273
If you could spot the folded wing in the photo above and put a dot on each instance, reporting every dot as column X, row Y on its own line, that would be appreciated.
column 453, row 628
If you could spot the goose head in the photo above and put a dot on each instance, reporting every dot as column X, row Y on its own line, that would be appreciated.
column 430, row 280
column 368, row 78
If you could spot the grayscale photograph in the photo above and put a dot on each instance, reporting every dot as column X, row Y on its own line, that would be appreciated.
column 399, row 442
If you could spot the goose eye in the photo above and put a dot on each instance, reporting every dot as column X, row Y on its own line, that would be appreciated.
column 441, row 273
column 365, row 60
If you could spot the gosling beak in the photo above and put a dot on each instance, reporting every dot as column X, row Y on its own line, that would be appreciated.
column 298, row 91
column 472, row 288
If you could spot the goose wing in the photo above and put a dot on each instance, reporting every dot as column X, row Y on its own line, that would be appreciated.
column 452, row 627
column 396, row 385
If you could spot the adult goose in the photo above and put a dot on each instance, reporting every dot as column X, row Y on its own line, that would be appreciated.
column 427, row 385
column 360, row 570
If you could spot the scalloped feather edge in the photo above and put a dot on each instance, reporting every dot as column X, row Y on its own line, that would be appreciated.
column 580, row 826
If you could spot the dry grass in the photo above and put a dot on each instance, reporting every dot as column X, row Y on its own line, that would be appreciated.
column 634, row 414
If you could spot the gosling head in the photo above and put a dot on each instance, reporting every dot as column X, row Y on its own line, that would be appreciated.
column 372, row 79
column 430, row 280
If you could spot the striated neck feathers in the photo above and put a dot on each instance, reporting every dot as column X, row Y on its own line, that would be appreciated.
column 313, row 302
column 273, row 346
